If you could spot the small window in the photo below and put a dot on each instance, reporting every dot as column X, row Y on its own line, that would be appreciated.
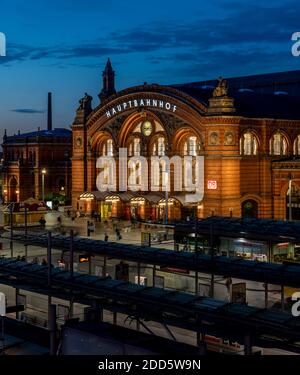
column 296, row 148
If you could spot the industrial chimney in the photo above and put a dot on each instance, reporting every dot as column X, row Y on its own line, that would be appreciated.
column 49, row 122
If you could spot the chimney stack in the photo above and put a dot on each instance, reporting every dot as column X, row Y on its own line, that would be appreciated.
column 49, row 122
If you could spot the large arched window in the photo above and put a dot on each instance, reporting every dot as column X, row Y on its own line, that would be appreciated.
column 190, row 146
column 248, row 144
column 296, row 147
column 108, row 148
column 278, row 144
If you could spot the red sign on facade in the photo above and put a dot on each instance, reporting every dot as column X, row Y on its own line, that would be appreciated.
column 212, row 185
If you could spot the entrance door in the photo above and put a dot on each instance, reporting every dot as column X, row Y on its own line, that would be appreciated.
column 250, row 209
column 13, row 190
column 106, row 210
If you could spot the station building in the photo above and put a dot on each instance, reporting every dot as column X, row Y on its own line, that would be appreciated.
column 37, row 162
column 246, row 129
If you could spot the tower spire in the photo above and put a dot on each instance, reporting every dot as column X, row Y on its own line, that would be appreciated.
column 108, row 76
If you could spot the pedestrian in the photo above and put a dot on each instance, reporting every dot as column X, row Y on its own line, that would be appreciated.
column 42, row 221
column 105, row 237
column 118, row 235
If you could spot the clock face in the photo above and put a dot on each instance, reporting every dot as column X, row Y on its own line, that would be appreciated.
column 147, row 128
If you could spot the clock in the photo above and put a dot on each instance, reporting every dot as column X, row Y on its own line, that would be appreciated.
column 147, row 128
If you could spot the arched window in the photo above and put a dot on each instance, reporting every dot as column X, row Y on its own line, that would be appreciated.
column 108, row 148
column 135, row 147
column 159, row 147
column 190, row 146
column 296, row 147
column 248, row 144
column 278, row 144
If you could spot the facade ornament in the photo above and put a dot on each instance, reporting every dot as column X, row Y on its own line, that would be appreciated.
column 229, row 138
column 213, row 138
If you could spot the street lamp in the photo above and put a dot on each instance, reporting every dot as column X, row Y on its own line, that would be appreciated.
column 290, row 196
column 2, row 315
column 167, row 195
column 43, row 183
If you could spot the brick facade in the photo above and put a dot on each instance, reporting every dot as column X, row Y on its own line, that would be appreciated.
column 244, row 155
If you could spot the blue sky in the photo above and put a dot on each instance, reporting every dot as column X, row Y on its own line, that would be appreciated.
column 62, row 46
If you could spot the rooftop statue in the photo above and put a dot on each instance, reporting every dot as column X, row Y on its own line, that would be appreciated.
column 85, row 102
column 221, row 89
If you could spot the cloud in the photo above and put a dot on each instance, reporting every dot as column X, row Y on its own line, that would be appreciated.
column 215, row 63
column 27, row 110
column 242, row 29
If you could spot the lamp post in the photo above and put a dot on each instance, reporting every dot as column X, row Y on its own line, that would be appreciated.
column 43, row 183
column 2, row 315
column 167, row 195
column 290, row 196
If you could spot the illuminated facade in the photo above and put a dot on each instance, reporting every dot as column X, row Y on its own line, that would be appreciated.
column 250, row 142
